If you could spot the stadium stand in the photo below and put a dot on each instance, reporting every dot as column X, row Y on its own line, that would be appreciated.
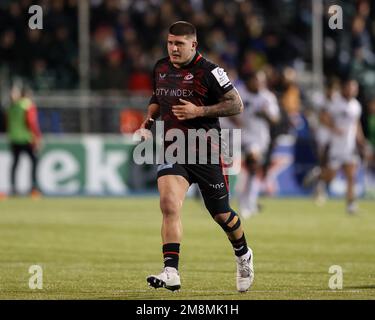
column 127, row 36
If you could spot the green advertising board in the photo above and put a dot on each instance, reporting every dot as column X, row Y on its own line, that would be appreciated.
column 87, row 164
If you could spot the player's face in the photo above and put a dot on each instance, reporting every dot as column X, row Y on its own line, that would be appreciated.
column 351, row 89
column 181, row 49
column 253, row 84
column 15, row 94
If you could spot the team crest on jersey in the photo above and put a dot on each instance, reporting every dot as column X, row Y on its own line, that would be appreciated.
column 189, row 76
column 162, row 76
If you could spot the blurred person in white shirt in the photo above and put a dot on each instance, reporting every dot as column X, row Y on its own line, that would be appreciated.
column 261, row 111
column 322, row 135
column 346, row 140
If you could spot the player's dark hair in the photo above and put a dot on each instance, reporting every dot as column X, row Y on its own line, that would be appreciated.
column 250, row 75
column 182, row 28
column 348, row 79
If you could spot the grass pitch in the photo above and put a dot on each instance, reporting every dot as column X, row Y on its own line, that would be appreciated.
column 104, row 249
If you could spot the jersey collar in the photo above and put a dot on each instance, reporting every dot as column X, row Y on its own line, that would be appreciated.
column 193, row 62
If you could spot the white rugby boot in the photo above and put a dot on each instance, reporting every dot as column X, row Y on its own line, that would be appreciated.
column 169, row 278
column 245, row 271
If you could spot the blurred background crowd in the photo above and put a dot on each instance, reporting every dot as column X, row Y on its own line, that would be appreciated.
column 128, row 36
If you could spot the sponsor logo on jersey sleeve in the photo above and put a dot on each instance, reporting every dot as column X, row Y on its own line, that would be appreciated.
column 221, row 77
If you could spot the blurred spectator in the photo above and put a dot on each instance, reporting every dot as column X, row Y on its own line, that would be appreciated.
column 8, row 51
column 34, row 47
column 139, row 80
column 2, row 119
column 15, row 20
column 371, row 123
column 62, row 54
column 112, row 76
column 42, row 78
column 246, row 35
column 57, row 16
column 371, row 133
column 290, row 98
column 361, row 41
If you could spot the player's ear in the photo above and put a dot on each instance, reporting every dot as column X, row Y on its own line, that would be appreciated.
column 194, row 44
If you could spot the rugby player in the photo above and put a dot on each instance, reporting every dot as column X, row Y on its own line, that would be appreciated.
column 261, row 111
column 191, row 92
column 347, row 139
column 322, row 139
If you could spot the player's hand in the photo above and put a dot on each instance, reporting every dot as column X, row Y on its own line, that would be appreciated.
column 186, row 110
column 147, row 124
column 144, row 129
column 365, row 150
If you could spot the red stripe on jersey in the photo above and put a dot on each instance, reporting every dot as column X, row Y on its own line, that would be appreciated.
column 198, row 58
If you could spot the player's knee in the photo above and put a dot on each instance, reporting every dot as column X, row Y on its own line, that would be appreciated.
column 168, row 206
column 328, row 175
column 251, row 162
column 228, row 221
column 221, row 217
column 217, row 205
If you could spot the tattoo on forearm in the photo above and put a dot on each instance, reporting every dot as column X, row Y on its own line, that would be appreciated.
column 231, row 104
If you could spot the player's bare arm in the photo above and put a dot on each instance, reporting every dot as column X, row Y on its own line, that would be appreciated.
column 153, row 113
column 327, row 121
column 272, row 120
column 361, row 140
column 323, row 117
column 236, row 120
column 230, row 105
